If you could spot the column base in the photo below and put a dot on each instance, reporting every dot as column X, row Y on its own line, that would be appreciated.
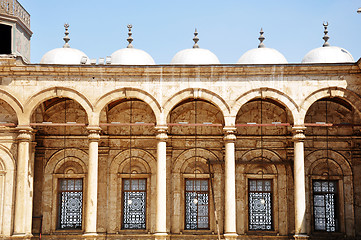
column 25, row 236
column 301, row 237
column 90, row 236
column 161, row 236
column 230, row 236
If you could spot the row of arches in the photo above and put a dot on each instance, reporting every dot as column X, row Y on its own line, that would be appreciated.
column 229, row 110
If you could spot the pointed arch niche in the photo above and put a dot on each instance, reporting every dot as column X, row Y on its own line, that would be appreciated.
column 267, row 165
column 330, row 165
column 7, row 174
column 68, row 163
column 137, row 164
column 194, row 164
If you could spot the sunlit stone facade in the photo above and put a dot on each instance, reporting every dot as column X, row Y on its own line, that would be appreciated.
column 179, row 151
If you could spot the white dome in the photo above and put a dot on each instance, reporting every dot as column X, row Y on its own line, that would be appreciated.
column 262, row 55
column 195, row 56
column 328, row 54
column 64, row 55
column 131, row 56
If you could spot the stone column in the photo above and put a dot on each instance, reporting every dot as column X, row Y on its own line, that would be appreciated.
column 161, row 214
column 24, row 190
column 299, row 181
column 92, row 186
column 230, row 184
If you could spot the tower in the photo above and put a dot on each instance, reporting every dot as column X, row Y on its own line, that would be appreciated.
column 14, row 29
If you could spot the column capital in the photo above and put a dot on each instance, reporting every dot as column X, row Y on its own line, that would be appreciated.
column 229, row 134
column 25, row 133
column 94, row 133
column 161, row 133
column 298, row 133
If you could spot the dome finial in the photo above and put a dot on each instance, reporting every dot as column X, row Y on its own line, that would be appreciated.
column 195, row 39
column 261, row 39
column 325, row 37
column 66, row 38
column 130, row 39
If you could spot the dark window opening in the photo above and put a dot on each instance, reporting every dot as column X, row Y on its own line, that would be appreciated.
column 70, row 197
column 5, row 39
column 325, row 205
column 196, row 204
column 134, row 203
column 260, row 205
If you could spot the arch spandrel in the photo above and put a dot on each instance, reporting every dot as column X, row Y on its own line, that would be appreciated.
column 270, row 93
column 197, row 93
column 352, row 98
column 124, row 93
column 56, row 92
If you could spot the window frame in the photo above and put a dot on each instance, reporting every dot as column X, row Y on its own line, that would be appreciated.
column 209, row 205
column 272, row 204
column 58, row 204
column 337, row 209
column 122, row 203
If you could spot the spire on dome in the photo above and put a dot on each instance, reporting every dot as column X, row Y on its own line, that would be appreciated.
column 66, row 38
column 261, row 39
column 130, row 39
column 195, row 39
column 325, row 37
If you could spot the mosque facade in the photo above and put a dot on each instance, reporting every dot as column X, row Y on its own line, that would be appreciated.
column 123, row 148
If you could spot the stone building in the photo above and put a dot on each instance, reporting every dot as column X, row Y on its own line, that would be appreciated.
column 194, row 149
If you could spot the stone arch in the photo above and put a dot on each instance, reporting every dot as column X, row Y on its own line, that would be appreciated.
column 352, row 98
column 251, row 167
column 120, row 161
column 315, row 164
column 253, row 154
column 183, row 168
column 58, row 165
column 7, row 180
column 57, row 92
column 196, row 93
column 269, row 157
column 274, row 94
column 145, row 165
column 317, row 157
column 56, row 161
column 13, row 102
column 129, row 93
column 181, row 161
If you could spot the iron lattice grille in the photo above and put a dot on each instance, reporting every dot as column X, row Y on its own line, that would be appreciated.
column 196, row 214
column 70, row 203
column 324, row 205
column 134, row 203
column 260, row 205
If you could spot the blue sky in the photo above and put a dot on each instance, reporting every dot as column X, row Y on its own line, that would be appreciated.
column 163, row 27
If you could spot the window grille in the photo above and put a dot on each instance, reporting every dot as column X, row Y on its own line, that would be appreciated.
column 324, row 205
column 260, row 205
column 196, row 211
column 70, row 197
column 134, row 203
